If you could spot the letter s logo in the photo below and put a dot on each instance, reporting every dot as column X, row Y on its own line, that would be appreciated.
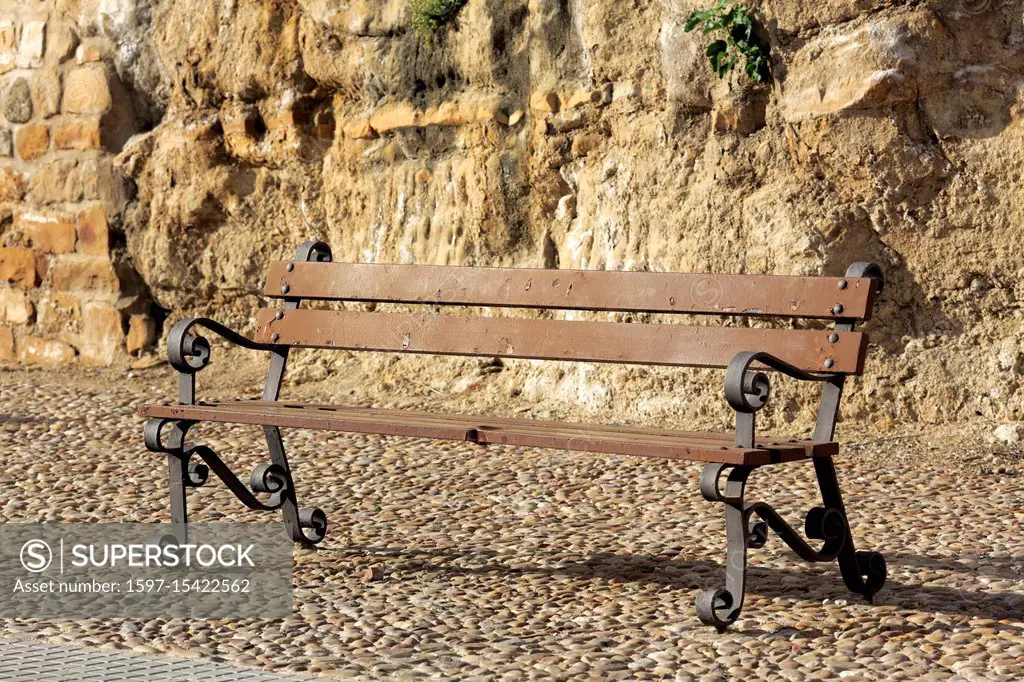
column 36, row 556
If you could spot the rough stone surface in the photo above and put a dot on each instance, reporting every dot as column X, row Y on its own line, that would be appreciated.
column 451, row 561
column 84, row 274
column 33, row 350
column 32, row 141
column 12, row 184
column 47, row 232
column 102, row 334
column 15, row 306
column 18, row 102
column 93, row 231
column 18, row 266
column 8, row 44
column 46, row 93
column 32, row 45
column 6, row 344
column 141, row 333
column 78, row 135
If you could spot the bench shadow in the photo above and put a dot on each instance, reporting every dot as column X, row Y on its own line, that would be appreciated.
column 764, row 581
column 999, row 567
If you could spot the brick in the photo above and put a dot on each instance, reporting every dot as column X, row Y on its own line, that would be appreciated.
column 84, row 274
column 32, row 141
column 45, row 352
column 47, row 232
column 141, row 333
column 46, row 92
column 33, row 41
column 93, row 231
column 6, row 344
column 87, row 90
column 8, row 45
column 79, row 135
column 102, row 335
column 12, row 184
column 18, row 266
column 15, row 306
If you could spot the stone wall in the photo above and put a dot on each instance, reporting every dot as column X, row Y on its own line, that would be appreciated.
column 67, row 293
column 554, row 133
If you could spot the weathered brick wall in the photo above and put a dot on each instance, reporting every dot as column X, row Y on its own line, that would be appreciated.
column 66, row 294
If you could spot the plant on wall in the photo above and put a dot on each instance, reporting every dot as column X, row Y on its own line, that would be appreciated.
column 741, row 40
column 432, row 16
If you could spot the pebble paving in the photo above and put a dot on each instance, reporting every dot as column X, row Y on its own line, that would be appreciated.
column 451, row 561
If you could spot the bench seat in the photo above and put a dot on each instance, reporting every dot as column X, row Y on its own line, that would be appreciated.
column 486, row 430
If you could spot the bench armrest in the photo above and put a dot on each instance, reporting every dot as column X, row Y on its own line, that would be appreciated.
column 189, row 353
column 747, row 390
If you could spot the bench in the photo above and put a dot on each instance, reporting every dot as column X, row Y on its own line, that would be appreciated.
column 825, row 356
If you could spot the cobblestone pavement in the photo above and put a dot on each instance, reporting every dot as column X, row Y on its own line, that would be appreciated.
column 449, row 560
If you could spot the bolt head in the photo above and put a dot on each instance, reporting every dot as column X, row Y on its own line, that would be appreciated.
column 832, row 338
column 829, row 363
column 285, row 288
column 290, row 267
column 279, row 315
column 843, row 284
column 275, row 337
column 838, row 309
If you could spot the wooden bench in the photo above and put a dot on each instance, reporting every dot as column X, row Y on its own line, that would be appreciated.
column 824, row 356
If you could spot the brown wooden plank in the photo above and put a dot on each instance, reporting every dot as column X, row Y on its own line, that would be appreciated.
column 655, row 292
column 711, row 439
column 471, row 421
column 644, row 344
column 624, row 440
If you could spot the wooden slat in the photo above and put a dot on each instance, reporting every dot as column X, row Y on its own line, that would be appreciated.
column 623, row 440
column 655, row 292
column 645, row 344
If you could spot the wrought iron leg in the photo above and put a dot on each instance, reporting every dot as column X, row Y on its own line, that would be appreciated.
column 308, row 526
column 863, row 572
column 169, row 437
column 176, row 480
column 305, row 525
column 716, row 606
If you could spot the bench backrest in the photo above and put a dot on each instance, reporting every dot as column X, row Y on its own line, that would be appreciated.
column 840, row 299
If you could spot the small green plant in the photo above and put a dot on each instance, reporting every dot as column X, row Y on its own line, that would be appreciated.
column 432, row 16
column 741, row 39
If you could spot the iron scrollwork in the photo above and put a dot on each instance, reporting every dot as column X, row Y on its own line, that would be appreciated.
column 189, row 353
column 747, row 390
